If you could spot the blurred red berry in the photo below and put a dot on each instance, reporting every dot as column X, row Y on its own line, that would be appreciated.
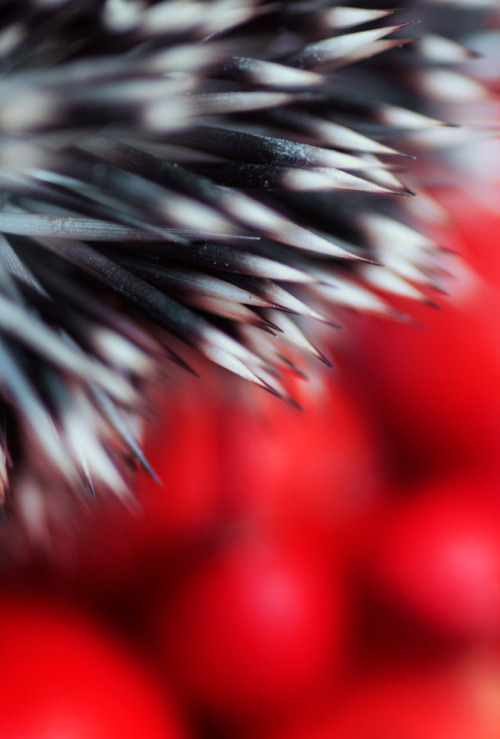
column 318, row 470
column 62, row 675
column 245, row 455
column 434, row 389
column 252, row 627
column 438, row 554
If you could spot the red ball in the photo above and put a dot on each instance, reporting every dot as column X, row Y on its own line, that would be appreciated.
column 238, row 453
column 318, row 470
column 438, row 554
column 434, row 388
column 62, row 675
column 254, row 626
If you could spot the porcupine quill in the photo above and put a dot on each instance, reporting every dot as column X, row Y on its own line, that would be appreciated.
column 207, row 171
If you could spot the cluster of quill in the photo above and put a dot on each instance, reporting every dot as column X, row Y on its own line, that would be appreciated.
column 220, row 174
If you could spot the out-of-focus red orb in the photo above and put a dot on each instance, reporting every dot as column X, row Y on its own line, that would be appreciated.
column 253, row 627
column 434, row 389
column 438, row 554
column 62, row 675
column 318, row 470
column 227, row 451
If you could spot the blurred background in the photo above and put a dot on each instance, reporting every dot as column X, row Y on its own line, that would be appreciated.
column 326, row 572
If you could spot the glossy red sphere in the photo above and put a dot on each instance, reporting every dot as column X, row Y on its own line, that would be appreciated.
column 254, row 626
column 438, row 554
column 62, row 675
